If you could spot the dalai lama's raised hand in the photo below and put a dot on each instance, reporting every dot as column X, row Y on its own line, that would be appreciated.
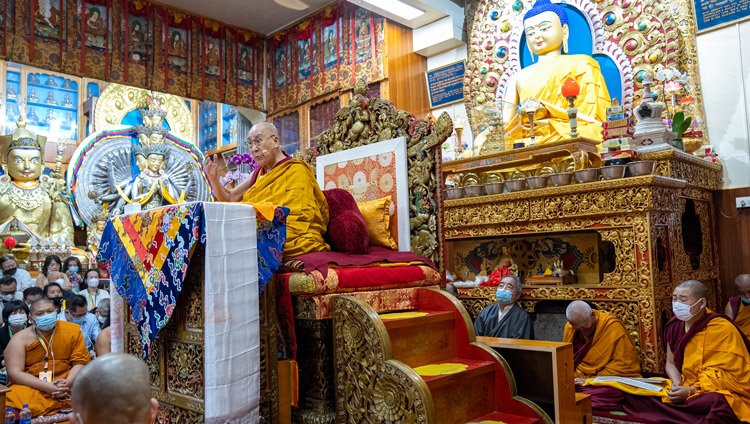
column 678, row 394
column 211, row 167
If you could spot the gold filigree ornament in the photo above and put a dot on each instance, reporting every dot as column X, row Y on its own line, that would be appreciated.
column 27, row 200
column 118, row 100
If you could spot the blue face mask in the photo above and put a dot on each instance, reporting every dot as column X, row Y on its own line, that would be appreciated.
column 745, row 299
column 79, row 320
column 503, row 296
column 46, row 322
column 73, row 269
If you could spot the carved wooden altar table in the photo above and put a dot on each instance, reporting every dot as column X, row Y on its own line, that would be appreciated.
column 661, row 229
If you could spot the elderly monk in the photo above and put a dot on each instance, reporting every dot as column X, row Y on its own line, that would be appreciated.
column 708, row 362
column 124, row 379
column 504, row 318
column 601, row 346
column 43, row 360
column 738, row 307
column 282, row 181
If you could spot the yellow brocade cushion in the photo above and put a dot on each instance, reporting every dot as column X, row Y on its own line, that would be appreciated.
column 378, row 218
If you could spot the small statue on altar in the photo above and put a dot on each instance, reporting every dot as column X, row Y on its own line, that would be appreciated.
column 11, row 93
column 51, row 99
column 94, row 232
column 506, row 266
column 547, row 34
column 38, row 201
column 32, row 96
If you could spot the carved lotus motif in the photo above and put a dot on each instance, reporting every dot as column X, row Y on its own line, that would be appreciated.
column 389, row 399
column 354, row 336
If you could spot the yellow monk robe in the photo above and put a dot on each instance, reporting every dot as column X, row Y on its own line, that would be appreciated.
column 742, row 320
column 716, row 360
column 69, row 350
column 545, row 85
column 611, row 352
column 292, row 184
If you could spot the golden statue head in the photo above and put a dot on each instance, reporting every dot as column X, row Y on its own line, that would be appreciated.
column 546, row 27
column 22, row 153
column 156, row 157
column 100, row 220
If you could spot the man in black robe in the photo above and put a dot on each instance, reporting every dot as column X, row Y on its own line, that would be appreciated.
column 504, row 318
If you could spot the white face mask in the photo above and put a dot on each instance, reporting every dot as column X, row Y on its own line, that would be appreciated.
column 682, row 311
column 7, row 297
column 101, row 319
column 60, row 281
column 94, row 282
column 18, row 320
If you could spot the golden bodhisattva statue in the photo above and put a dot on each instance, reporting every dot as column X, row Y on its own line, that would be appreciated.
column 153, row 187
column 37, row 200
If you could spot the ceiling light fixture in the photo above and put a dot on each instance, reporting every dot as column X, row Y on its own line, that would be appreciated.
column 397, row 7
column 293, row 4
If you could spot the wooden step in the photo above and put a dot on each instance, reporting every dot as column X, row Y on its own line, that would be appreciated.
column 421, row 340
column 464, row 394
column 505, row 418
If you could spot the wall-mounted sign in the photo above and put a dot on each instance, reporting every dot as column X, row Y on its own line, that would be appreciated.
column 446, row 84
column 715, row 13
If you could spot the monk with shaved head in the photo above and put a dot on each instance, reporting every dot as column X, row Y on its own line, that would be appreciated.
column 738, row 307
column 279, row 180
column 43, row 360
column 114, row 389
column 708, row 363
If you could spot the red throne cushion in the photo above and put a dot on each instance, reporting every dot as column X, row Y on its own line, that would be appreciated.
column 347, row 228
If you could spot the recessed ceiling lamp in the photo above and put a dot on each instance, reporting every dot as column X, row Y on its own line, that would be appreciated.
column 293, row 4
column 396, row 7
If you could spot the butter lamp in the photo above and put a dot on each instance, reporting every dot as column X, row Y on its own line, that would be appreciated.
column 570, row 90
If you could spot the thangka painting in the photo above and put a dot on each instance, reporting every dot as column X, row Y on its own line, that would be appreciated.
column 373, row 172
column 48, row 19
column 212, row 55
column 177, row 48
column 138, row 35
column 95, row 25
column 303, row 64
column 363, row 37
column 245, row 63
column 280, row 62
column 331, row 45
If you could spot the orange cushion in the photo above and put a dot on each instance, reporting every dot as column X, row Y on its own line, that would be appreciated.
column 378, row 218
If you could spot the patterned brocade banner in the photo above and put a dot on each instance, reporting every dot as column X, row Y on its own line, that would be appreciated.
column 148, row 254
column 136, row 43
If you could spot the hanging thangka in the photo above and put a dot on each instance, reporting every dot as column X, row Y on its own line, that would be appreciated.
column 178, row 47
column 138, row 42
column 94, row 33
column 212, row 54
column 280, row 72
column 303, row 61
column 246, row 59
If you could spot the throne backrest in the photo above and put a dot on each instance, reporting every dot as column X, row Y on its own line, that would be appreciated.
column 371, row 172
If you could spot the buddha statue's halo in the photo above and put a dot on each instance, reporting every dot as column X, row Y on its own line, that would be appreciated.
column 21, row 138
column 542, row 6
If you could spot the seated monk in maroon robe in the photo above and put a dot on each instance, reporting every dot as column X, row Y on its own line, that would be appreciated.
column 738, row 307
column 601, row 347
column 708, row 361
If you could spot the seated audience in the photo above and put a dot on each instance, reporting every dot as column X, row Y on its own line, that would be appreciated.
column 8, row 291
column 10, row 269
column 32, row 294
column 92, row 292
column 72, row 267
column 102, row 313
column 708, row 362
column 76, row 311
column 54, row 292
column 738, row 307
column 42, row 368
column 125, row 380
column 601, row 345
column 505, row 318
column 52, row 273
column 15, row 319
column 282, row 181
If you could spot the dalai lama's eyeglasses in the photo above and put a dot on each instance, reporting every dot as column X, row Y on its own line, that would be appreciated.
column 257, row 141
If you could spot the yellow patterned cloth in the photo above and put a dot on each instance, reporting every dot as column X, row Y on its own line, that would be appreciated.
column 440, row 369
column 292, row 184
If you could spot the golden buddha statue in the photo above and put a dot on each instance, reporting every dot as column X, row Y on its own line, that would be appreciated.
column 38, row 201
column 94, row 232
column 547, row 33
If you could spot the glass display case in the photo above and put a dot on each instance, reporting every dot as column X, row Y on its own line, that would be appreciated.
column 288, row 127
column 13, row 96
column 228, row 124
column 207, row 126
column 52, row 105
